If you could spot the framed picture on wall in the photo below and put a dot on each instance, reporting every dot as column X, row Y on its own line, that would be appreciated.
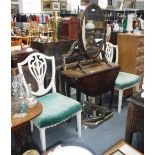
column 55, row 6
column 14, row 8
column 85, row 2
column 63, row 6
column 46, row 6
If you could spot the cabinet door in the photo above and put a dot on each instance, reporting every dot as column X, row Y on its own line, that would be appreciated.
column 127, row 45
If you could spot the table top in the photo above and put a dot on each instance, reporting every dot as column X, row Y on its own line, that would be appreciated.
column 31, row 113
column 89, row 69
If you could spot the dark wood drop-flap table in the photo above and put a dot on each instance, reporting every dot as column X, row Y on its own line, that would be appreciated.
column 94, row 79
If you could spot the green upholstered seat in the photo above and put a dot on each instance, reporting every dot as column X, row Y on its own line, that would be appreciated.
column 56, row 108
column 125, row 80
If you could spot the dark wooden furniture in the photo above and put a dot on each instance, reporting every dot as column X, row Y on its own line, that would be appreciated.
column 135, row 117
column 120, row 144
column 69, row 29
column 56, row 49
column 94, row 79
column 88, row 74
column 20, row 127
column 131, row 53
column 20, row 55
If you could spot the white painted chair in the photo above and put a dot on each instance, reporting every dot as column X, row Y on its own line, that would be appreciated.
column 57, row 108
column 124, row 80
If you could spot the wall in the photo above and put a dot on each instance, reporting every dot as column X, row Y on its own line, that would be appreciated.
column 34, row 6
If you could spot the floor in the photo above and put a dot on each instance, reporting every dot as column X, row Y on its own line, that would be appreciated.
column 96, row 140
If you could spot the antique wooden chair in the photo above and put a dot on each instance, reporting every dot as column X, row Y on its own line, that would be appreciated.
column 124, row 80
column 57, row 108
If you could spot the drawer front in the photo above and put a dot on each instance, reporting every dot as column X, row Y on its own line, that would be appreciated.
column 140, row 41
column 142, row 76
column 139, row 61
column 140, row 69
column 140, row 51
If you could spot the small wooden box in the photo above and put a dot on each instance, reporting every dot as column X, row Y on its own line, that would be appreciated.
column 69, row 29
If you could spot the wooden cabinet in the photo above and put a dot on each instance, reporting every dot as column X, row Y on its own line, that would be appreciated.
column 135, row 121
column 69, row 29
column 131, row 53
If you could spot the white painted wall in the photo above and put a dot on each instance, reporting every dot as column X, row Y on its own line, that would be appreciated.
column 30, row 6
column 34, row 6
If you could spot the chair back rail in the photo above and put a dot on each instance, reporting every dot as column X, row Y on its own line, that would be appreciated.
column 37, row 64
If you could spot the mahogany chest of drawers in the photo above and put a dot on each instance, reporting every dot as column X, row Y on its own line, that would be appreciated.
column 131, row 53
column 69, row 30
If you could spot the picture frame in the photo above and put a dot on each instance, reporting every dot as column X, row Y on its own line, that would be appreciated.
column 63, row 1
column 46, row 5
column 63, row 6
column 109, row 2
column 85, row 2
column 14, row 8
column 117, row 152
column 55, row 6
column 93, row 1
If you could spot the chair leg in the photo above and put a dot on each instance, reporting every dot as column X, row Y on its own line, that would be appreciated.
column 43, row 139
column 78, row 117
column 120, row 100
column 31, row 122
column 137, row 86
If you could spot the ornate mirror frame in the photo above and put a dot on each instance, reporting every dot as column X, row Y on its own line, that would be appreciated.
column 99, row 27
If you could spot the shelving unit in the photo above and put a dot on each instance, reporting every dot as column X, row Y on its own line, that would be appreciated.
column 117, row 14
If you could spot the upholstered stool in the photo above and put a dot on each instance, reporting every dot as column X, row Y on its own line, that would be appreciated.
column 124, row 81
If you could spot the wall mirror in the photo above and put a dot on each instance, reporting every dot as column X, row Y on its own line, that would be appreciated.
column 92, row 35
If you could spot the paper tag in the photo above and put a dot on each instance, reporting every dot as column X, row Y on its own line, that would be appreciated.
column 20, row 115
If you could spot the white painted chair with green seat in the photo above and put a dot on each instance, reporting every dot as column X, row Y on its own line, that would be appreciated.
column 57, row 108
column 124, row 80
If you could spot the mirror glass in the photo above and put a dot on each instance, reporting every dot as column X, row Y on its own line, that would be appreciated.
column 93, row 30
